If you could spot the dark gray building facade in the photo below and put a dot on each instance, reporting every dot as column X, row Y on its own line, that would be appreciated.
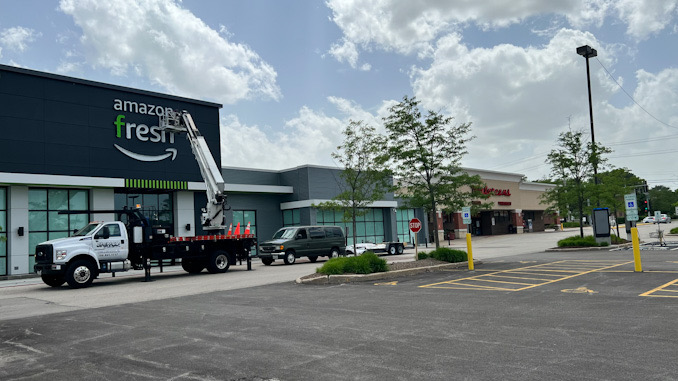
column 78, row 145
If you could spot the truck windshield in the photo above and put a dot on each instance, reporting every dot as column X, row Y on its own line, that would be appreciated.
column 284, row 233
column 86, row 230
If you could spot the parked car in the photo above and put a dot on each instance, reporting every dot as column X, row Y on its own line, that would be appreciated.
column 664, row 219
column 295, row 242
column 648, row 220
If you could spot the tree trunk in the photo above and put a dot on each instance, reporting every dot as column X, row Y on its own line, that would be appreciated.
column 435, row 222
column 355, row 236
column 581, row 216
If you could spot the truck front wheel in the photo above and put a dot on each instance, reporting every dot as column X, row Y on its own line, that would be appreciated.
column 80, row 274
column 218, row 262
column 53, row 280
column 192, row 267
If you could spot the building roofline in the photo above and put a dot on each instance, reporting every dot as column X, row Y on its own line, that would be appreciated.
column 87, row 82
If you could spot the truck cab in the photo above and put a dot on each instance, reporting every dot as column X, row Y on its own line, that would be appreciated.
column 96, row 248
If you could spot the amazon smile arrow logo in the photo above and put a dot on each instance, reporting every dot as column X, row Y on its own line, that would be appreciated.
column 137, row 156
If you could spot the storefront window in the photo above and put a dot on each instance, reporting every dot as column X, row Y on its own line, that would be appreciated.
column 403, row 217
column 369, row 226
column 245, row 217
column 3, row 231
column 157, row 207
column 45, row 222
column 291, row 217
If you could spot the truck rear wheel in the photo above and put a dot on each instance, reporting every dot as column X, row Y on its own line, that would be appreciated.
column 53, row 280
column 267, row 261
column 218, row 262
column 192, row 267
column 80, row 274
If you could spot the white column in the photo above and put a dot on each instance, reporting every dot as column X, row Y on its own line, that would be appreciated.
column 184, row 214
column 102, row 199
column 17, row 248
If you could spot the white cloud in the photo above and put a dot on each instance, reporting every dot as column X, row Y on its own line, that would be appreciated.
column 161, row 40
column 17, row 38
column 309, row 138
column 646, row 17
column 407, row 27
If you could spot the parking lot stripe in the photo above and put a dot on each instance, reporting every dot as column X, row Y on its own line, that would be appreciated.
column 546, row 270
column 670, row 287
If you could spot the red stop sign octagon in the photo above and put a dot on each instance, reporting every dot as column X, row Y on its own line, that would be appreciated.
column 415, row 225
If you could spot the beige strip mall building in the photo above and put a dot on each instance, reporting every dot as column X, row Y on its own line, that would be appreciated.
column 516, row 208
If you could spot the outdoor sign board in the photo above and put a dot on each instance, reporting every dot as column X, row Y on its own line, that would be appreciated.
column 466, row 215
column 631, row 205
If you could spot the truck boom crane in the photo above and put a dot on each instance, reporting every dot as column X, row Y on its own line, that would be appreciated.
column 213, row 213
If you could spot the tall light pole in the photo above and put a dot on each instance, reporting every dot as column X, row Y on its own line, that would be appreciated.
column 588, row 52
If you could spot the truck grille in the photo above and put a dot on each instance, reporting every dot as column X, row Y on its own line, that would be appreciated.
column 268, row 249
column 44, row 254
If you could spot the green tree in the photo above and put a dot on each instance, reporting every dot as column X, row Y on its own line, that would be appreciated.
column 425, row 155
column 614, row 184
column 662, row 199
column 365, row 179
column 572, row 172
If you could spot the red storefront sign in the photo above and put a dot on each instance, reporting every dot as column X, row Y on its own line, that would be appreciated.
column 495, row 192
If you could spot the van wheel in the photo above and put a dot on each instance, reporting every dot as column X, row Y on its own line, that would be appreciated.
column 218, row 262
column 334, row 253
column 313, row 258
column 192, row 267
column 80, row 274
column 289, row 258
column 53, row 280
column 267, row 261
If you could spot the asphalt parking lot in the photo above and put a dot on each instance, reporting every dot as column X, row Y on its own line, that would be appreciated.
column 567, row 322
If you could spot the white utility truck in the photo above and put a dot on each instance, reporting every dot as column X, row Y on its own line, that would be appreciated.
column 114, row 246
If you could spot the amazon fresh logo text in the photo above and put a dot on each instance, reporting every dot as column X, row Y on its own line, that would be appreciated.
column 141, row 132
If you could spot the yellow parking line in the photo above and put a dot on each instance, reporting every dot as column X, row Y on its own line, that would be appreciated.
column 530, row 270
column 518, row 277
column 661, row 288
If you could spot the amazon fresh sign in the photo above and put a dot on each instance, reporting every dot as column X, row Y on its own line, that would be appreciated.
column 126, row 128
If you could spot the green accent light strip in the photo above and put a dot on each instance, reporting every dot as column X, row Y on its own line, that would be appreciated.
column 156, row 184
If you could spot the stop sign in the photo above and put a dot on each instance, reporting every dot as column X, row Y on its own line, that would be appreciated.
column 415, row 225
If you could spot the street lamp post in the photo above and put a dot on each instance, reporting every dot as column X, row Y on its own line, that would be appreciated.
column 588, row 52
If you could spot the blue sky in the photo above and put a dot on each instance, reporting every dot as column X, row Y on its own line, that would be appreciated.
column 291, row 74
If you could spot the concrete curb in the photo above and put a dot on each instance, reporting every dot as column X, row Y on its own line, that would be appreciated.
column 351, row 278
column 598, row 248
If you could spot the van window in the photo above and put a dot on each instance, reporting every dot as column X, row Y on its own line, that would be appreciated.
column 316, row 233
column 301, row 233
column 284, row 234
column 333, row 232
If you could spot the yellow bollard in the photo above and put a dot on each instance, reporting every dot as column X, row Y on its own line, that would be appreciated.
column 470, row 251
column 636, row 250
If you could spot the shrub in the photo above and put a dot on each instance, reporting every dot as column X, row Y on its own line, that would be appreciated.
column 574, row 224
column 366, row 263
column 616, row 240
column 422, row 255
column 449, row 255
column 578, row 241
column 674, row 231
column 587, row 241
